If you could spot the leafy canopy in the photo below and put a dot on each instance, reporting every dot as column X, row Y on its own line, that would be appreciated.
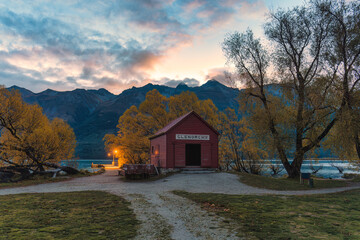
column 28, row 138
column 136, row 125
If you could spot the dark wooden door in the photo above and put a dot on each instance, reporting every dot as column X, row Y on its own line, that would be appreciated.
column 193, row 154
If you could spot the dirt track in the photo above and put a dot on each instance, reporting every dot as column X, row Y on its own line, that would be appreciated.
column 163, row 214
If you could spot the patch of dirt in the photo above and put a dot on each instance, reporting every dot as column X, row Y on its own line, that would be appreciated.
column 153, row 225
column 168, row 216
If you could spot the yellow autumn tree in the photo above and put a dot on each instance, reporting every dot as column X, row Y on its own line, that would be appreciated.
column 239, row 147
column 131, row 140
column 343, row 137
column 136, row 125
column 154, row 109
column 28, row 138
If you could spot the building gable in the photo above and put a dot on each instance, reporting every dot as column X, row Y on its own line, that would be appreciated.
column 173, row 124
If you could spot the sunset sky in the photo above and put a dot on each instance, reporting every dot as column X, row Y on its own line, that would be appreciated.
column 115, row 45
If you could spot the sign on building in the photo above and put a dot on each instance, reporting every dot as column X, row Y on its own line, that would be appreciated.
column 192, row 137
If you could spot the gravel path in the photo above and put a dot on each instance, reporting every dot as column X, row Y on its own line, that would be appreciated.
column 163, row 214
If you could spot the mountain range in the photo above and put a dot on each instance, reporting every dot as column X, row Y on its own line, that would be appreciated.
column 94, row 113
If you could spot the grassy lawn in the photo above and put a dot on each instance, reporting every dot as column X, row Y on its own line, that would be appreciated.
column 330, row 216
column 77, row 215
column 286, row 183
column 352, row 177
column 39, row 179
column 34, row 180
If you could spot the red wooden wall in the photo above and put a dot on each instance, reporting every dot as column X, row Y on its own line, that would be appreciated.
column 174, row 156
column 159, row 156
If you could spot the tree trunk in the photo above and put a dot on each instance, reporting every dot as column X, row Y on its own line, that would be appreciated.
column 7, row 174
column 299, row 153
column 279, row 147
column 68, row 170
column 296, row 164
column 41, row 167
column 357, row 144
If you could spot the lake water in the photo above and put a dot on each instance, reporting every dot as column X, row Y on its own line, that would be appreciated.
column 327, row 168
column 86, row 163
column 326, row 171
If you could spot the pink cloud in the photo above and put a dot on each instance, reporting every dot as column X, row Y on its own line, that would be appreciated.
column 224, row 75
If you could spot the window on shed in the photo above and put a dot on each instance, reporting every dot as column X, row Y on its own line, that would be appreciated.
column 152, row 149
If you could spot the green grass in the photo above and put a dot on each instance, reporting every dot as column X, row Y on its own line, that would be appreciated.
column 34, row 181
column 77, row 215
column 40, row 179
column 355, row 179
column 328, row 216
column 352, row 177
column 287, row 183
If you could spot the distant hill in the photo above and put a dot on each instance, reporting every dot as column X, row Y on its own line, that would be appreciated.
column 94, row 113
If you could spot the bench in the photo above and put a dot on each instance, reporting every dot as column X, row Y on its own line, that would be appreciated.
column 132, row 170
column 306, row 176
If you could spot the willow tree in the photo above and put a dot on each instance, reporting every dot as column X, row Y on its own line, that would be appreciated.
column 239, row 149
column 28, row 139
column 311, row 98
column 343, row 59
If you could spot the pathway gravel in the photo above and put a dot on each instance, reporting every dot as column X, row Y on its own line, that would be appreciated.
column 163, row 214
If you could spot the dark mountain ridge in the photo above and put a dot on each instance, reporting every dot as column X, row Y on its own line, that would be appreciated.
column 94, row 113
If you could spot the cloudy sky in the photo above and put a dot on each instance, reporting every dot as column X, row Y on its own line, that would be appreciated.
column 117, row 44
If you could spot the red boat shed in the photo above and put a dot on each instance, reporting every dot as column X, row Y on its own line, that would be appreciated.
column 188, row 141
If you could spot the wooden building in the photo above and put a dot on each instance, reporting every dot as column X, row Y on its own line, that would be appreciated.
column 188, row 141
